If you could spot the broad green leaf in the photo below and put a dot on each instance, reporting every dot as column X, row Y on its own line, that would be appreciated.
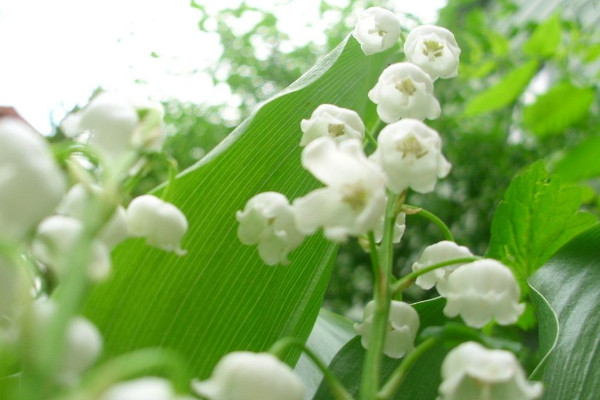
column 504, row 92
column 535, row 218
column 545, row 38
column 581, row 162
column 568, row 303
column 559, row 108
column 220, row 297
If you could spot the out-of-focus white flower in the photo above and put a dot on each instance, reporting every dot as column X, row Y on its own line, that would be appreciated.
column 268, row 221
column 399, row 228
column 56, row 239
column 434, row 49
column 31, row 183
column 410, row 153
column 434, row 254
column 251, row 376
column 354, row 199
column 74, row 205
column 481, row 291
column 14, row 293
column 161, row 223
column 404, row 91
column 377, row 29
column 336, row 122
column 403, row 325
column 118, row 125
column 148, row 388
column 470, row 371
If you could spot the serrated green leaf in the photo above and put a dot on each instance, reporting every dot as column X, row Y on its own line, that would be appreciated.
column 568, row 303
column 545, row 38
column 534, row 219
column 220, row 297
column 562, row 106
column 581, row 162
column 503, row 93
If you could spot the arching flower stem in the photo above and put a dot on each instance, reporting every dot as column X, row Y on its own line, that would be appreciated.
column 413, row 210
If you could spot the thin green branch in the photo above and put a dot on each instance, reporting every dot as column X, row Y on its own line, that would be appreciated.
column 413, row 210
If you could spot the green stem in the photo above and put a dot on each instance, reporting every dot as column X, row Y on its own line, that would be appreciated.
column 337, row 389
column 395, row 380
column 408, row 279
column 413, row 210
column 371, row 134
column 172, row 163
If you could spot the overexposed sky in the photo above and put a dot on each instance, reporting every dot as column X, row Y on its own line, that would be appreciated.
column 55, row 53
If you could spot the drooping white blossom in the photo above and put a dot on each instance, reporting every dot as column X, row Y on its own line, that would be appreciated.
column 251, row 376
column 117, row 125
column 481, row 291
column 354, row 199
column 31, row 183
column 434, row 254
column 268, row 221
column 56, row 239
column 161, row 223
column 147, row 388
column 470, row 371
column 434, row 49
column 410, row 154
column 404, row 91
column 377, row 29
column 336, row 122
column 403, row 324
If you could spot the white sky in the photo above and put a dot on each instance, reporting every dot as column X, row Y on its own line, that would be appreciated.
column 55, row 53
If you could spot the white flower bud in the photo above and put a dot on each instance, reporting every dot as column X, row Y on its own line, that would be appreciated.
column 403, row 324
column 377, row 29
column 148, row 388
column 470, row 371
column 434, row 254
column 404, row 91
column 251, row 376
column 161, row 223
column 31, row 184
column 434, row 49
column 481, row 291
column 336, row 122
column 56, row 239
column 268, row 221
column 410, row 153
column 354, row 199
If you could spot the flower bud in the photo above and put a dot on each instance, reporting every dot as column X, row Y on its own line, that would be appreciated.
column 481, row 291
column 335, row 122
column 148, row 388
column 470, row 371
column 251, row 376
column 410, row 153
column 161, row 223
column 403, row 324
column 377, row 29
column 268, row 221
column 434, row 49
column 404, row 91
column 434, row 254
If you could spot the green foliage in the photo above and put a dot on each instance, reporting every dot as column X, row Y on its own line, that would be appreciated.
column 535, row 218
column 545, row 38
column 581, row 162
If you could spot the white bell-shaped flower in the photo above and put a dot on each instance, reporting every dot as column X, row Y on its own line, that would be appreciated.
column 410, row 154
column 268, row 221
column 161, row 223
column 55, row 241
column 377, row 29
column 74, row 205
column 354, row 199
column 404, row 91
column 481, row 291
column 336, row 122
column 251, row 376
column 147, row 388
column 434, row 254
column 434, row 49
column 31, row 183
column 470, row 371
column 403, row 324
